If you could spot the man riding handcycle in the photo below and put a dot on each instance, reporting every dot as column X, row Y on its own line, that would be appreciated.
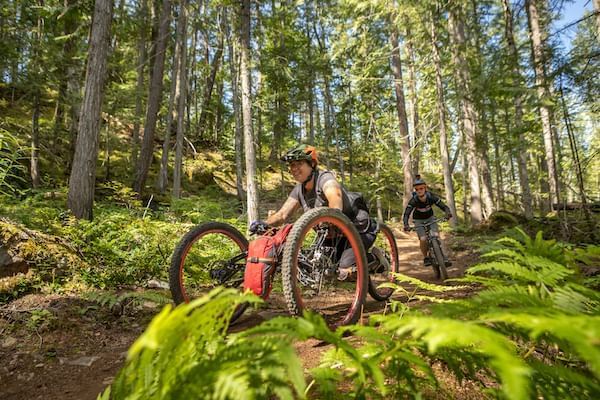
column 323, row 257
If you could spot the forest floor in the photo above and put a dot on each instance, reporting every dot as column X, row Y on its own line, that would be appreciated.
column 67, row 347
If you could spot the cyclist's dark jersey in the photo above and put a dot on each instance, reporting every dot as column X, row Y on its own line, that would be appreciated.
column 422, row 209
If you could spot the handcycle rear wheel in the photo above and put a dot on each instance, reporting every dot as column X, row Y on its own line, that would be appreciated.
column 387, row 243
column 309, row 273
column 210, row 255
column 439, row 265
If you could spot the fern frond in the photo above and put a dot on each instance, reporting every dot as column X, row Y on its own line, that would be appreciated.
column 507, row 241
column 504, row 254
column 437, row 334
column 560, row 382
column 579, row 332
column 422, row 285
column 573, row 301
column 483, row 280
column 538, row 270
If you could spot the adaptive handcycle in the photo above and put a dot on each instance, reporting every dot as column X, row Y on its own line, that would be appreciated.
column 216, row 253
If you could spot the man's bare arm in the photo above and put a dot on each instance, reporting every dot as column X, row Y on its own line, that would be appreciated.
column 284, row 212
column 333, row 192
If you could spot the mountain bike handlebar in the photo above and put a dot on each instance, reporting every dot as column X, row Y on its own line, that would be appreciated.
column 443, row 219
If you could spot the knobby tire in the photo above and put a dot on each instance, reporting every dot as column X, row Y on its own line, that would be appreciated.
column 292, row 288
column 440, row 269
column 177, row 268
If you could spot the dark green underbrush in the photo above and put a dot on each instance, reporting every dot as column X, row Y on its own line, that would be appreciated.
column 126, row 244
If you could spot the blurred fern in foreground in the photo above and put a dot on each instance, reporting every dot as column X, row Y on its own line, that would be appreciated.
column 531, row 332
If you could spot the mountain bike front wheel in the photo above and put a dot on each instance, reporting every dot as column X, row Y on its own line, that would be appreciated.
column 439, row 266
column 210, row 255
column 309, row 267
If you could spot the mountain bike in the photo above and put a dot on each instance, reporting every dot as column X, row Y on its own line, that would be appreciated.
column 435, row 252
column 214, row 254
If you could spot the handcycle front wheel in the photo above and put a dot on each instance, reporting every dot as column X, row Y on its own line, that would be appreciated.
column 309, row 268
column 388, row 250
column 210, row 255
column 439, row 264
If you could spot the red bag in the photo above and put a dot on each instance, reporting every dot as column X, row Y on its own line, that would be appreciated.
column 263, row 257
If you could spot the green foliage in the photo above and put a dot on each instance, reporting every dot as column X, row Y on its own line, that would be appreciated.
column 11, row 171
column 40, row 320
column 184, row 353
column 530, row 333
column 126, row 244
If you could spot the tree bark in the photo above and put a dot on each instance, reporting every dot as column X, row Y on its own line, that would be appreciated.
column 577, row 165
column 139, row 87
column 414, row 101
column 402, row 119
column 441, row 111
column 35, row 141
column 172, row 115
column 536, row 32
column 597, row 11
column 80, row 198
column 235, row 95
column 36, row 74
column 210, row 83
column 245, row 77
column 154, row 99
column 518, row 103
column 457, row 35
column 181, row 99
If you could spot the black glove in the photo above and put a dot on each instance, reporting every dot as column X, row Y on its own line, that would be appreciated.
column 258, row 226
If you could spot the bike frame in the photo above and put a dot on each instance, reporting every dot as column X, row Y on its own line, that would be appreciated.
column 430, row 237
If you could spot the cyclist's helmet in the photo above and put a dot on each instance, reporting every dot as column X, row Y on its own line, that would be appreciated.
column 302, row 152
column 419, row 181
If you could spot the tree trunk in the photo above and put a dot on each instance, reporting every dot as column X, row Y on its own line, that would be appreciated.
column 181, row 99
column 239, row 139
column 518, row 103
column 210, row 83
column 172, row 115
column 83, row 175
column 536, row 32
column 35, row 141
column 597, row 11
column 402, row 119
column 414, row 101
column 154, row 99
column 497, row 164
column 139, row 88
column 577, row 165
column 36, row 74
column 441, row 110
column 245, row 77
column 457, row 35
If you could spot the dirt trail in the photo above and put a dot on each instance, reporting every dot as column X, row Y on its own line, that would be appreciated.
column 76, row 352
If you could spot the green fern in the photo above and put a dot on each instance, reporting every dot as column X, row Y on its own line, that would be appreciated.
column 184, row 353
column 437, row 333
column 579, row 333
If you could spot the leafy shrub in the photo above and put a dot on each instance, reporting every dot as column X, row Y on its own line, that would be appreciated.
column 12, row 173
